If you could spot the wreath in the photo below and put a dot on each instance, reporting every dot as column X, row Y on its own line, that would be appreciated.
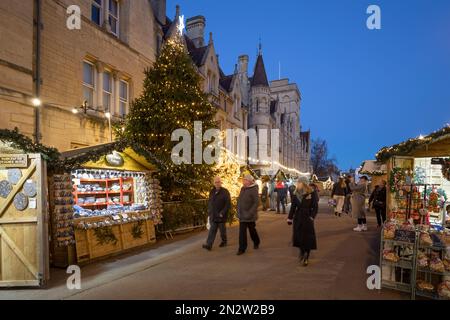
column 136, row 230
column 446, row 168
column 105, row 235
column 397, row 179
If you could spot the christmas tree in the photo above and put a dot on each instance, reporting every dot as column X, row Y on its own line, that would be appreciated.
column 172, row 99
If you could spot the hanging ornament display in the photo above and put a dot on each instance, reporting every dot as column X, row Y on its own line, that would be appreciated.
column 446, row 169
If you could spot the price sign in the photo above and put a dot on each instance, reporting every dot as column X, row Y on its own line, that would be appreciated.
column 405, row 236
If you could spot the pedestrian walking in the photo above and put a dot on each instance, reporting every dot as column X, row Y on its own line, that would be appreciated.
column 272, row 195
column 358, row 202
column 378, row 200
column 264, row 195
column 339, row 193
column 301, row 215
column 317, row 191
column 219, row 204
column 347, row 201
column 247, row 212
column 281, row 196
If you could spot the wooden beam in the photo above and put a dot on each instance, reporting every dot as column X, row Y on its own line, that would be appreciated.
column 18, row 252
column 18, row 221
column 19, row 283
column 17, row 187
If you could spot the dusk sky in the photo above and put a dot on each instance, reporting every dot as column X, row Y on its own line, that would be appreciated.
column 361, row 89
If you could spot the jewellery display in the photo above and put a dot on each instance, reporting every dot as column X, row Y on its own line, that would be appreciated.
column 5, row 188
column 29, row 189
column 20, row 201
column 14, row 175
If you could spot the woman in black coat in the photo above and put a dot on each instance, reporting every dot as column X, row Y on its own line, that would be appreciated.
column 303, row 211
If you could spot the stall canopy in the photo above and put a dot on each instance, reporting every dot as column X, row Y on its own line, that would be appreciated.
column 127, row 160
column 436, row 144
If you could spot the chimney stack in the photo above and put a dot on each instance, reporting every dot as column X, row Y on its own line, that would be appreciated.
column 243, row 64
column 195, row 29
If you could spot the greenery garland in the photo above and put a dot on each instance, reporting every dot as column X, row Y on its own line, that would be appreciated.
column 136, row 230
column 105, row 235
column 410, row 145
column 22, row 142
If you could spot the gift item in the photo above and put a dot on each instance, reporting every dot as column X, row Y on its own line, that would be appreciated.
column 437, row 265
column 425, row 239
column 5, row 188
column 391, row 256
column 20, row 201
column 424, row 286
column 29, row 189
column 62, row 206
column 444, row 290
column 389, row 230
column 14, row 175
column 422, row 260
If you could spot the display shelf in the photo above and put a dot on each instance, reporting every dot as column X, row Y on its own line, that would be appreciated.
column 423, row 270
column 396, row 242
column 93, row 204
column 94, row 180
column 404, row 287
column 90, row 193
column 434, row 248
column 401, row 264
column 426, row 294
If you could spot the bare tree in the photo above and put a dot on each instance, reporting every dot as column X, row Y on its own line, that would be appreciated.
column 322, row 165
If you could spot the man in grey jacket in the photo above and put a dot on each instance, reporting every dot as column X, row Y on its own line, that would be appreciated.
column 247, row 212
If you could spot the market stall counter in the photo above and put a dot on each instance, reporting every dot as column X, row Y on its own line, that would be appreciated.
column 104, row 208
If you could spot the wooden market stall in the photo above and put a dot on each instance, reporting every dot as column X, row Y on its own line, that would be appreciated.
column 114, row 204
column 414, row 256
column 376, row 170
column 23, row 218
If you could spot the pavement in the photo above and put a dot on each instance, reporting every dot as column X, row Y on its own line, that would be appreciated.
column 181, row 269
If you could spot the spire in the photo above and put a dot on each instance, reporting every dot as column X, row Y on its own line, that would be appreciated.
column 260, row 47
column 260, row 75
column 177, row 12
column 210, row 38
column 236, row 69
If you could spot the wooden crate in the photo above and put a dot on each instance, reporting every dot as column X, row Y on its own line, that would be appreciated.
column 24, row 234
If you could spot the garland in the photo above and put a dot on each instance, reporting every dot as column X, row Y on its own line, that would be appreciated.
column 373, row 173
column 446, row 169
column 22, row 142
column 105, row 235
column 410, row 145
column 136, row 230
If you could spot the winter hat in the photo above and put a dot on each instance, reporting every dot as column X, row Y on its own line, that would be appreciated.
column 249, row 177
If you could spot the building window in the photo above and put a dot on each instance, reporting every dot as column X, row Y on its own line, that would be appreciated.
column 257, row 105
column 114, row 16
column 123, row 98
column 96, row 12
column 88, row 83
column 107, row 90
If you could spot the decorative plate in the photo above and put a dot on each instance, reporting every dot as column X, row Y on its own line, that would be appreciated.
column 5, row 188
column 29, row 189
column 20, row 201
column 14, row 175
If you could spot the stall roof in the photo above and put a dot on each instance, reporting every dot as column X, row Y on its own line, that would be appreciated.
column 436, row 144
column 132, row 160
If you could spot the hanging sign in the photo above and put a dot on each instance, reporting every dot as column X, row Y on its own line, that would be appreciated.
column 13, row 161
column 437, row 161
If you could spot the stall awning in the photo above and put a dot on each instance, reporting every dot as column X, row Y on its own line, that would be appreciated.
column 436, row 144
column 126, row 160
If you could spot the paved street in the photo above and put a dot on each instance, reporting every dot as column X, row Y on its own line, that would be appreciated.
column 181, row 269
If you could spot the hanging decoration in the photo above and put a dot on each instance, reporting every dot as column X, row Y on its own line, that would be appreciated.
column 446, row 168
column 397, row 179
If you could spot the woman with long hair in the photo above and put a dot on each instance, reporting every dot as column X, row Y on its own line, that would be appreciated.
column 301, row 216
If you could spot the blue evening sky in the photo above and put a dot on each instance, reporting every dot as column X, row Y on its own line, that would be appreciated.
column 361, row 89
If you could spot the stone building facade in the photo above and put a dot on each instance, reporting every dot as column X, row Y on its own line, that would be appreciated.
column 96, row 71
column 274, row 105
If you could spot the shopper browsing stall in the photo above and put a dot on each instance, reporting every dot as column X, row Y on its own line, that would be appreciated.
column 358, row 202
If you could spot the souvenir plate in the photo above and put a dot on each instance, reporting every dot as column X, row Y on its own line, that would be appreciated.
column 20, row 201
column 5, row 188
column 29, row 189
column 14, row 175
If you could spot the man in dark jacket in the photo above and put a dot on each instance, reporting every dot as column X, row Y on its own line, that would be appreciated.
column 247, row 211
column 378, row 200
column 218, row 206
